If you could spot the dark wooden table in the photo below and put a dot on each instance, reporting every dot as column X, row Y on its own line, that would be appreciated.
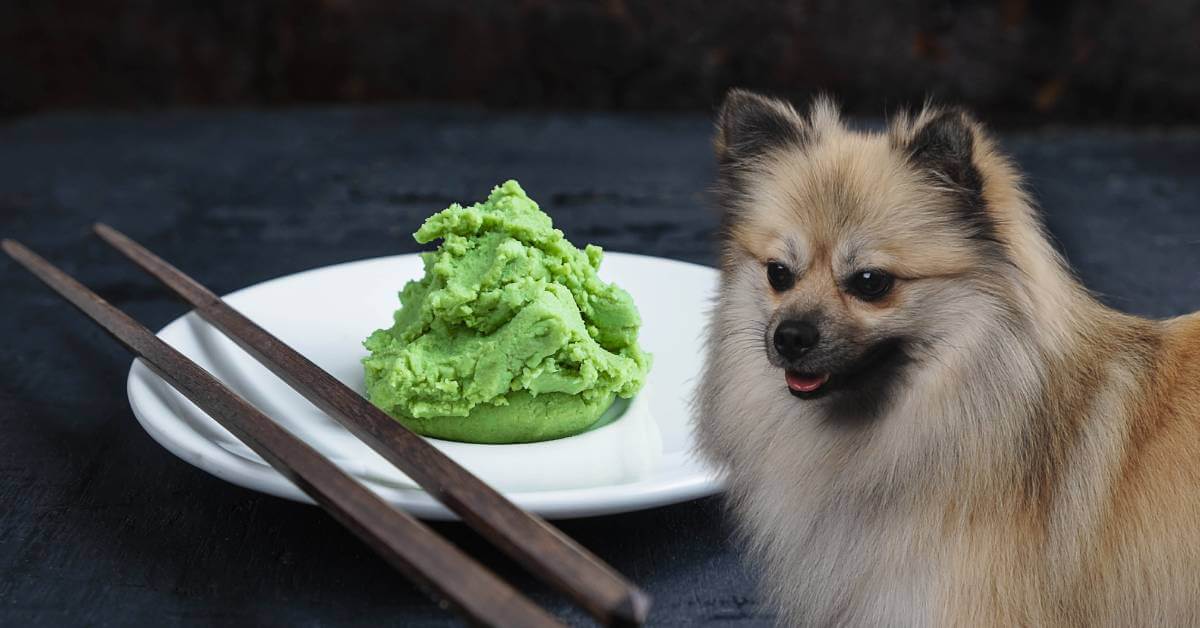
column 100, row 525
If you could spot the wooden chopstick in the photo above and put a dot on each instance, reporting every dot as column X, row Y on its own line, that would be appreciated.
column 430, row 561
column 542, row 549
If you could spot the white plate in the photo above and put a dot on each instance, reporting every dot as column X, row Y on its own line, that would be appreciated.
column 326, row 313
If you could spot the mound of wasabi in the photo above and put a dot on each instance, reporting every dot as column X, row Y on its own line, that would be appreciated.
column 510, row 337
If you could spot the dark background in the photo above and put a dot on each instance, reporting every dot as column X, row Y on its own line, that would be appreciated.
column 1015, row 61
column 249, row 140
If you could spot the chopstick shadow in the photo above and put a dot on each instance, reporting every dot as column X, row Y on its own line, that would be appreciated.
column 232, row 366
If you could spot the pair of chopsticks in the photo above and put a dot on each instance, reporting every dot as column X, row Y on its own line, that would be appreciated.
column 435, row 565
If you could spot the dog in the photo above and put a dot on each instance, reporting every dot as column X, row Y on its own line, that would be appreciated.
column 922, row 415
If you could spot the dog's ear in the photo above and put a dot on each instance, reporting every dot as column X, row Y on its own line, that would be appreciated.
column 749, row 125
column 943, row 143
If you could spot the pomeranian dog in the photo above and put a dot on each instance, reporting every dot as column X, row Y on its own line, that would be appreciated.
column 924, row 418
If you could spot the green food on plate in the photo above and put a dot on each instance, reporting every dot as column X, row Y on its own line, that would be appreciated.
column 510, row 336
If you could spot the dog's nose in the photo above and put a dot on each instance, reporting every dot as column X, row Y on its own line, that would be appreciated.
column 794, row 338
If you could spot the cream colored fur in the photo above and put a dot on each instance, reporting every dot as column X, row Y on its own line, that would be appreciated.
column 1040, row 463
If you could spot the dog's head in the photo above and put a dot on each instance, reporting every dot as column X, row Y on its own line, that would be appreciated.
column 857, row 256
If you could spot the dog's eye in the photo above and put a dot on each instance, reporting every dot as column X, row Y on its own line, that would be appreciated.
column 780, row 277
column 869, row 285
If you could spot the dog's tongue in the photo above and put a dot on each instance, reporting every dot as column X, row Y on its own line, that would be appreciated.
column 805, row 383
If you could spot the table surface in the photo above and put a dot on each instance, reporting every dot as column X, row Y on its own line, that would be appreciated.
column 100, row 525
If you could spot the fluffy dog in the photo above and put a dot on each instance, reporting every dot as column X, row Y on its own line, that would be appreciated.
column 923, row 416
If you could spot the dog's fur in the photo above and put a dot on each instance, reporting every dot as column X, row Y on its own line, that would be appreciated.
column 1026, row 456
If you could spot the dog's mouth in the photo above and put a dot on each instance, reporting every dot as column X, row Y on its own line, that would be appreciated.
column 876, row 363
column 805, row 383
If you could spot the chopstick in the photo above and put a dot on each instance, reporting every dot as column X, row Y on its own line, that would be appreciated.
column 540, row 548
column 430, row 561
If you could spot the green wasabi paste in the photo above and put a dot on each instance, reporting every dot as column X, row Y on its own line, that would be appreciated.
column 510, row 336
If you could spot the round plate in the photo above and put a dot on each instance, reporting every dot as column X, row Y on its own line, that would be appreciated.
column 326, row 313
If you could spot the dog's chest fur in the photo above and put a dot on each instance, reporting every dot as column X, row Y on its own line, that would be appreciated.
column 837, row 555
column 834, row 552
column 830, row 560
